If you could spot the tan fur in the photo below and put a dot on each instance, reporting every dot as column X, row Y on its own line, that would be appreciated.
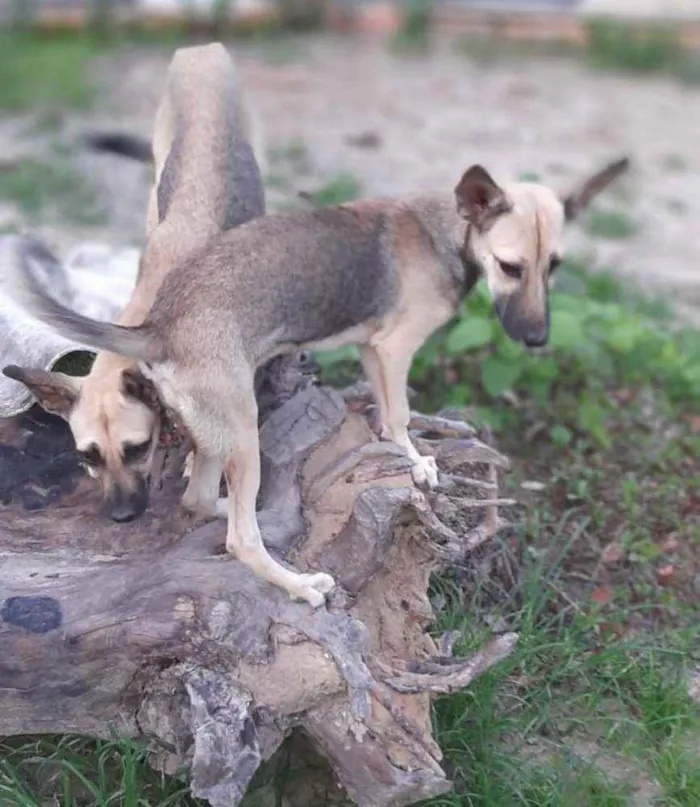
column 196, row 106
column 381, row 274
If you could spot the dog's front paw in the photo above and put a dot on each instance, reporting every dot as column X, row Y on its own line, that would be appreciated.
column 187, row 467
column 425, row 472
column 313, row 588
column 203, row 508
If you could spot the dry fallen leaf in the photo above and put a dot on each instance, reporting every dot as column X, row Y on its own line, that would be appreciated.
column 613, row 553
column 670, row 544
column 603, row 595
column 694, row 423
column 666, row 574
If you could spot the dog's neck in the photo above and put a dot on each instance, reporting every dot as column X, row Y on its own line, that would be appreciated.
column 451, row 239
column 472, row 268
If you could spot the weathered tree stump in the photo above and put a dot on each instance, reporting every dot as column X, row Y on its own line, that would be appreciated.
column 149, row 630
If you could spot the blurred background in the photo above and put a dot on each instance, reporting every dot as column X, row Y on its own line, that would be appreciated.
column 373, row 98
column 601, row 572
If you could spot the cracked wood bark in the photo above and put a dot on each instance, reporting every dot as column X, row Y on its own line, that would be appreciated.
column 149, row 630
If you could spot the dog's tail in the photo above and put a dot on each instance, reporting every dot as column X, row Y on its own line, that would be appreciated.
column 126, row 145
column 28, row 291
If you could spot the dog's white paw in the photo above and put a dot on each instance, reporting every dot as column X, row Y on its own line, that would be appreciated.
column 187, row 468
column 313, row 588
column 425, row 472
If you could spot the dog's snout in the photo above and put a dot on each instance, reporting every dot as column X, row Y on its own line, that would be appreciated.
column 537, row 336
column 523, row 321
column 127, row 505
column 124, row 512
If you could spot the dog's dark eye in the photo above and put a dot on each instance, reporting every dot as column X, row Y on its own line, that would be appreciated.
column 513, row 270
column 91, row 456
column 554, row 262
column 133, row 452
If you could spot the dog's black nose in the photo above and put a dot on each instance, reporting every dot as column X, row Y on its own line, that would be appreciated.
column 127, row 505
column 536, row 337
column 124, row 514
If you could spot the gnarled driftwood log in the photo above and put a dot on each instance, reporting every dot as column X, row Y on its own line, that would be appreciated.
column 149, row 630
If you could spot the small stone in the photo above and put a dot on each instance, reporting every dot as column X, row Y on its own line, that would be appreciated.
column 497, row 623
column 533, row 485
column 612, row 554
column 666, row 574
column 32, row 499
column 693, row 682
column 671, row 544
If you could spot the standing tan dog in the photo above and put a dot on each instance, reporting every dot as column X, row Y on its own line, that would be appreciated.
column 381, row 274
column 206, row 180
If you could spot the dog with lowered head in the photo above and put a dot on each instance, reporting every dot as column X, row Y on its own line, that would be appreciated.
column 206, row 180
column 381, row 274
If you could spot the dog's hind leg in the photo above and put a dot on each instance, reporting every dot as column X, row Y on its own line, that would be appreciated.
column 386, row 365
column 242, row 472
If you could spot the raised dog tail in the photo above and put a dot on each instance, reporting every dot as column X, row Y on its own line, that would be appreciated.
column 28, row 291
column 126, row 145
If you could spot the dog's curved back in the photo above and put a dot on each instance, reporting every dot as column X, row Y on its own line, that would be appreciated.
column 206, row 180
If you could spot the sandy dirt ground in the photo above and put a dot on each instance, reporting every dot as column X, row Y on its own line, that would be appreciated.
column 429, row 118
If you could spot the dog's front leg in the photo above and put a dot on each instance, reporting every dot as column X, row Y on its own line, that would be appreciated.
column 202, row 493
column 386, row 366
column 243, row 538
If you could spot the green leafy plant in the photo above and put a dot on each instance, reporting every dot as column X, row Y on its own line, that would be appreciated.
column 602, row 339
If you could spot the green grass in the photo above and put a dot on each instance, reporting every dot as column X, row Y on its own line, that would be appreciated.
column 602, row 420
column 54, row 189
column 486, row 49
column 338, row 190
column 514, row 737
column 610, row 224
column 611, row 45
column 37, row 73
column 614, row 44
column 290, row 165
column 415, row 27
column 75, row 772
column 619, row 45
column 592, row 709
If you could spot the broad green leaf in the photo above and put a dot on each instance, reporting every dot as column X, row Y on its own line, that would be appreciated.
column 561, row 436
column 469, row 333
column 459, row 395
column 566, row 329
column 624, row 335
column 509, row 349
column 481, row 290
column 328, row 358
column 566, row 302
column 539, row 389
column 499, row 375
column 545, row 368
column 591, row 418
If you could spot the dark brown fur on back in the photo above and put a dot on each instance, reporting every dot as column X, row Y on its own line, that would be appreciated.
column 290, row 280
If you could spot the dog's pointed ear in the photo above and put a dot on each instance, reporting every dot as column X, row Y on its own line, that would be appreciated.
column 136, row 385
column 55, row 392
column 578, row 200
column 479, row 198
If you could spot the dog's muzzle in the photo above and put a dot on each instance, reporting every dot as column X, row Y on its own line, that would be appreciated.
column 522, row 326
column 127, row 505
